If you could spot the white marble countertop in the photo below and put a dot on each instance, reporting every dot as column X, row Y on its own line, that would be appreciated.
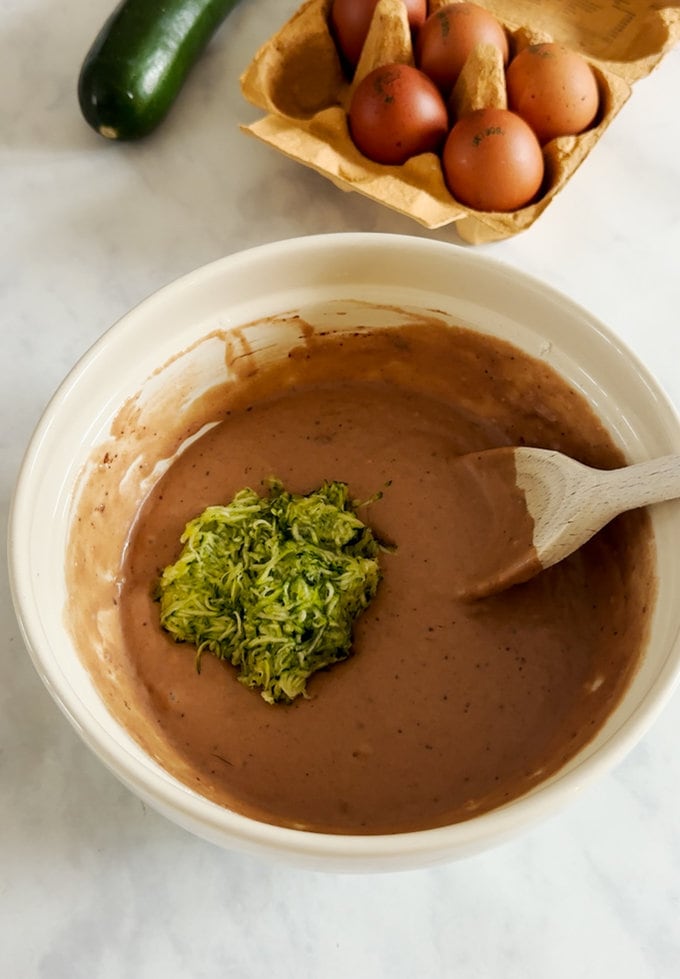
column 93, row 883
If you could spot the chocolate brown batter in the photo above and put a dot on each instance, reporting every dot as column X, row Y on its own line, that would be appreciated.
column 447, row 708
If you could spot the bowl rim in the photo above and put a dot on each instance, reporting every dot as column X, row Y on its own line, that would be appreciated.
column 212, row 821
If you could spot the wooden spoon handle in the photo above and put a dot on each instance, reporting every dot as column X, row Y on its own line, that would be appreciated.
column 579, row 500
column 643, row 483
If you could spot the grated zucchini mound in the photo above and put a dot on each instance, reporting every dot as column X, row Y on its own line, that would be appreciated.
column 272, row 584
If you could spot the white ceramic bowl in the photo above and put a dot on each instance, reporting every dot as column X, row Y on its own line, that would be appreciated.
column 140, row 354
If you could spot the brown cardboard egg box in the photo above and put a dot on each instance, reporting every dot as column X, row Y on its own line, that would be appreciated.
column 297, row 79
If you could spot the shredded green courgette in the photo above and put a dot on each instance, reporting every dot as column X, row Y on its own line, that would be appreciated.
column 272, row 584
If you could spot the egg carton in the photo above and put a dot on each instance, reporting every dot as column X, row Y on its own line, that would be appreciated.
column 298, row 80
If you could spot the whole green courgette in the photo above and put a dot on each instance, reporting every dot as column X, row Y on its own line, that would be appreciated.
column 139, row 60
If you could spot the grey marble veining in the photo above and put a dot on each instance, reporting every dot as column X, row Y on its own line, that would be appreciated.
column 93, row 883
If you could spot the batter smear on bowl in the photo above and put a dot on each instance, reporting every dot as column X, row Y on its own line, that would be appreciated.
column 445, row 709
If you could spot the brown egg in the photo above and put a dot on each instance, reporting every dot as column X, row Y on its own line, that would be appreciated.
column 397, row 112
column 351, row 19
column 554, row 89
column 492, row 161
column 448, row 37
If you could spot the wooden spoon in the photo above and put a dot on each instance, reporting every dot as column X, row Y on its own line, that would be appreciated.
column 566, row 504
